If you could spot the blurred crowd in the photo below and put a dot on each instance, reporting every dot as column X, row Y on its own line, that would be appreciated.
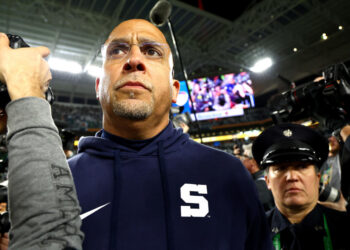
column 77, row 117
column 221, row 92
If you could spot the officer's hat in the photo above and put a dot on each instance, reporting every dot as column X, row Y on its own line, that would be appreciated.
column 289, row 142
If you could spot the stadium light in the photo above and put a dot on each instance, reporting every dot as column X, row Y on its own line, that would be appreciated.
column 94, row 71
column 65, row 65
column 262, row 65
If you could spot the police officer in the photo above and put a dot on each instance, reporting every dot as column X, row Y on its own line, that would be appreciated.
column 292, row 155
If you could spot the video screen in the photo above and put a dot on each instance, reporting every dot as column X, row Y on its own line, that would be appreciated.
column 217, row 97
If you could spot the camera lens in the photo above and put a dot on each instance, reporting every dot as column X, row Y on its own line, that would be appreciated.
column 329, row 193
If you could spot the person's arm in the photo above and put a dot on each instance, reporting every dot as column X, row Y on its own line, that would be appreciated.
column 258, row 232
column 345, row 132
column 339, row 205
column 345, row 164
column 43, row 206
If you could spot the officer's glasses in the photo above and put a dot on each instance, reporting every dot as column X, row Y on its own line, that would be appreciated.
column 120, row 50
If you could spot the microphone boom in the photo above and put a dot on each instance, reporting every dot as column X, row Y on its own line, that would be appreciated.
column 160, row 13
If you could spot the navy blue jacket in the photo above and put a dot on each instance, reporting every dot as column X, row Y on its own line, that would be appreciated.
column 167, row 192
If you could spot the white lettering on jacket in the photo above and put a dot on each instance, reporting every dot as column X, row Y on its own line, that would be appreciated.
column 201, row 201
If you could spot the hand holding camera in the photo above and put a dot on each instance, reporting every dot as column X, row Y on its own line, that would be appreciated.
column 24, row 70
column 345, row 132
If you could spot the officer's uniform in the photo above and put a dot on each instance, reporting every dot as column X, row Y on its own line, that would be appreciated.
column 322, row 228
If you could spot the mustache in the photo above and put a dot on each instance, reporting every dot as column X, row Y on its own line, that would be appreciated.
column 148, row 85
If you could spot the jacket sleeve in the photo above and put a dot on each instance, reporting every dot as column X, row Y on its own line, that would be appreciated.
column 258, row 236
column 43, row 205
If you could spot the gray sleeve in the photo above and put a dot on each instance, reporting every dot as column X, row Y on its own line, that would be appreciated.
column 43, row 205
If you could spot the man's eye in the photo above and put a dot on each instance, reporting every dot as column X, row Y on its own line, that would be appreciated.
column 276, row 169
column 115, row 52
column 279, row 169
column 152, row 51
column 118, row 50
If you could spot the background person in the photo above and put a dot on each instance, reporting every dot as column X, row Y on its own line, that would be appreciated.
column 265, row 195
column 331, row 170
column 293, row 154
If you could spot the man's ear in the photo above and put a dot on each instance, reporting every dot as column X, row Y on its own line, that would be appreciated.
column 97, row 84
column 176, row 88
column 267, row 181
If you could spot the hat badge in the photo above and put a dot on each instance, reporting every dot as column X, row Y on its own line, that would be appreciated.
column 287, row 133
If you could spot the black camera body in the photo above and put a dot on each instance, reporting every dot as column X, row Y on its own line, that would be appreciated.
column 15, row 43
column 327, row 101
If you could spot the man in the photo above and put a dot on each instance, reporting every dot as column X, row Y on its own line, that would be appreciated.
column 265, row 195
column 44, row 210
column 293, row 155
column 144, row 184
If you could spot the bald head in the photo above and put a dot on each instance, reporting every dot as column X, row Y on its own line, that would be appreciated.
column 137, row 25
column 134, row 31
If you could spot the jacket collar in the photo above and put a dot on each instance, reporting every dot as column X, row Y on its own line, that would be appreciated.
column 312, row 221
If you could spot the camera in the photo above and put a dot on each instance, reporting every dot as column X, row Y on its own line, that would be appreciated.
column 15, row 43
column 327, row 101
column 328, row 193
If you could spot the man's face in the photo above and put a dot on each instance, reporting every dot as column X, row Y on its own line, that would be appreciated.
column 333, row 145
column 249, row 163
column 293, row 185
column 137, row 85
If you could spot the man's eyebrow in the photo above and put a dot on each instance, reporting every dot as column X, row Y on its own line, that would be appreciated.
column 119, row 40
column 148, row 40
column 140, row 39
